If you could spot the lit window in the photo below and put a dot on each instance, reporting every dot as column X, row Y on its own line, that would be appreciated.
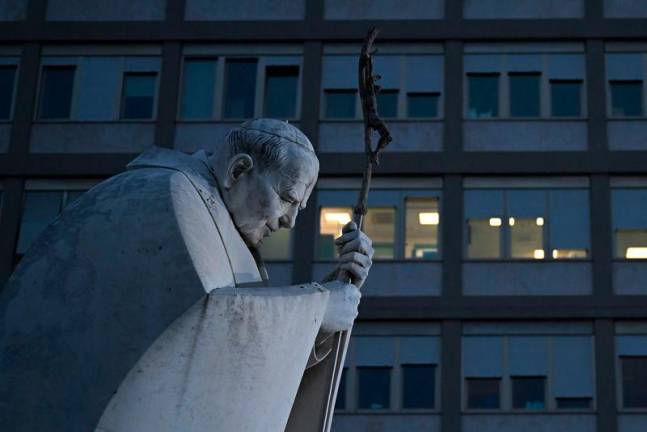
column 277, row 246
column 483, row 393
column 565, row 98
column 422, row 105
column 422, row 221
column 340, row 403
column 374, row 388
column 340, row 104
column 418, row 386
column 483, row 95
column 281, row 91
column 629, row 223
column 7, row 79
column 138, row 95
column 240, row 88
column 56, row 88
column 573, row 403
column 331, row 222
column 484, row 238
column 40, row 209
column 634, row 382
column 379, row 225
column 528, row 393
column 524, row 94
column 387, row 103
column 626, row 98
column 198, row 86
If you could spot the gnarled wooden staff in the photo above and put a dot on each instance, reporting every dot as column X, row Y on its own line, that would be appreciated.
column 368, row 90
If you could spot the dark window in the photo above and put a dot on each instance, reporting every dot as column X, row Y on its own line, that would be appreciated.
column 281, row 91
column 573, row 403
column 56, row 88
column 483, row 393
column 387, row 103
column 483, row 95
column 634, row 382
column 7, row 79
column 340, row 403
column 626, row 98
column 240, row 88
column 40, row 209
column 138, row 95
column 374, row 387
column 422, row 105
column 198, row 83
column 565, row 98
column 418, row 386
column 524, row 94
column 340, row 104
column 529, row 393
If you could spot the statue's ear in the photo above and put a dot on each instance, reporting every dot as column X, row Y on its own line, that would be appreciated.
column 239, row 165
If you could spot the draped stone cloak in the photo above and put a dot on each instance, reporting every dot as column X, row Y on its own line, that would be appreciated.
column 138, row 309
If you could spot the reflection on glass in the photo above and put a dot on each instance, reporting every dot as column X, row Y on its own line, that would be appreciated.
column 7, row 78
column 483, row 393
column 483, row 95
column 331, row 222
column 634, row 382
column 528, row 393
column 484, row 238
column 40, row 208
column 573, row 403
column 524, row 94
column 387, row 103
column 340, row 403
column 374, row 387
column 565, row 97
column 626, row 98
column 422, row 219
column 198, row 83
column 240, row 88
column 138, row 95
column 281, row 91
column 421, row 105
column 526, row 238
column 379, row 225
column 277, row 246
column 340, row 104
column 418, row 386
column 631, row 243
column 56, row 87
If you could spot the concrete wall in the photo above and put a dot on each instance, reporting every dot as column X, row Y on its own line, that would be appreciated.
column 13, row 10
column 104, row 10
column 527, row 278
column 91, row 137
column 396, row 278
column 525, row 135
column 632, row 423
column 627, row 135
column 485, row 9
column 630, row 278
column 280, row 273
column 5, row 132
column 529, row 423
column 407, row 136
column 383, row 9
column 240, row 10
column 385, row 423
column 625, row 8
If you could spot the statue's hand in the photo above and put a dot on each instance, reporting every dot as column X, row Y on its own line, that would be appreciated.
column 342, row 306
column 355, row 254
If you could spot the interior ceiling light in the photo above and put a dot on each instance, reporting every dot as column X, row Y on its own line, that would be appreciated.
column 495, row 221
column 340, row 218
column 636, row 253
column 538, row 254
column 428, row 218
column 540, row 221
column 511, row 221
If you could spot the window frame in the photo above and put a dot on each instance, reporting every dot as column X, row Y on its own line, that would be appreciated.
column 611, row 114
column 641, row 186
column 620, row 386
column 122, row 99
column 181, row 89
column 620, row 48
column 552, row 81
column 39, row 93
column 14, row 91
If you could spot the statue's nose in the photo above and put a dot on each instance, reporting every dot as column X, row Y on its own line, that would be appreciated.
column 287, row 220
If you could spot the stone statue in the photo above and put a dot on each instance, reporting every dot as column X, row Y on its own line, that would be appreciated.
column 145, row 307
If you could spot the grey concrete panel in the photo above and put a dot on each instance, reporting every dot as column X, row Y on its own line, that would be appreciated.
column 522, row 135
column 13, row 10
column 91, row 137
column 526, row 278
column 280, row 273
column 5, row 135
column 407, row 136
column 627, row 135
column 630, row 278
column 487, row 9
column 241, row 10
column 529, row 423
column 104, row 10
column 632, row 423
column 385, row 422
column 625, row 8
column 383, row 9
column 396, row 278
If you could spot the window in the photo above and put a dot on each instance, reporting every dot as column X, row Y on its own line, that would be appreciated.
column 198, row 87
column 626, row 98
column 340, row 403
column 573, row 403
column 138, row 96
column 387, row 103
column 422, row 221
column 277, row 247
column 483, row 393
column 240, row 88
column 340, row 104
column 281, row 91
column 422, row 105
column 374, row 385
column 379, row 225
column 629, row 207
column 529, row 393
column 57, row 83
column 565, row 97
column 634, row 382
column 524, row 94
column 7, row 85
column 418, row 386
column 483, row 92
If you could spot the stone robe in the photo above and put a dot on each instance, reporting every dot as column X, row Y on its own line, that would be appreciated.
column 140, row 309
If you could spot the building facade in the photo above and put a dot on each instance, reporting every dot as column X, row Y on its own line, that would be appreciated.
column 509, row 216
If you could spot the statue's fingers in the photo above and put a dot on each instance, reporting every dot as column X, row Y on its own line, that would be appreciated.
column 352, row 246
column 350, row 226
column 357, row 272
column 356, row 257
column 345, row 238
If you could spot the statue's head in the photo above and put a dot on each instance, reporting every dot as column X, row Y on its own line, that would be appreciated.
column 267, row 171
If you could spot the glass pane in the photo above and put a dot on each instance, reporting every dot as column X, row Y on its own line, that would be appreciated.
column 529, row 393
column 198, row 81
column 526, row 238
column 139, row 95
column 422, row 220
column 7, row 78
column 41, row 208
column 340, row 104
column 422, row 105
column 387, row 103
column 565, row 98
column 569, row 223
column 418, row 386
column 73, row 196
column 331, row 221
column 374, row 387
column 340, row 403
column 524, row 95
column 281, row 91
column 631, row 243
column 277, row 246
column 56, row 92
column 634, row 382
column 240, row 88
column 379, row 225
column 483, row 95
column 483, row 393
column 484, row 238
column 573, row 403
column 629, row 207
column 626, row 98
